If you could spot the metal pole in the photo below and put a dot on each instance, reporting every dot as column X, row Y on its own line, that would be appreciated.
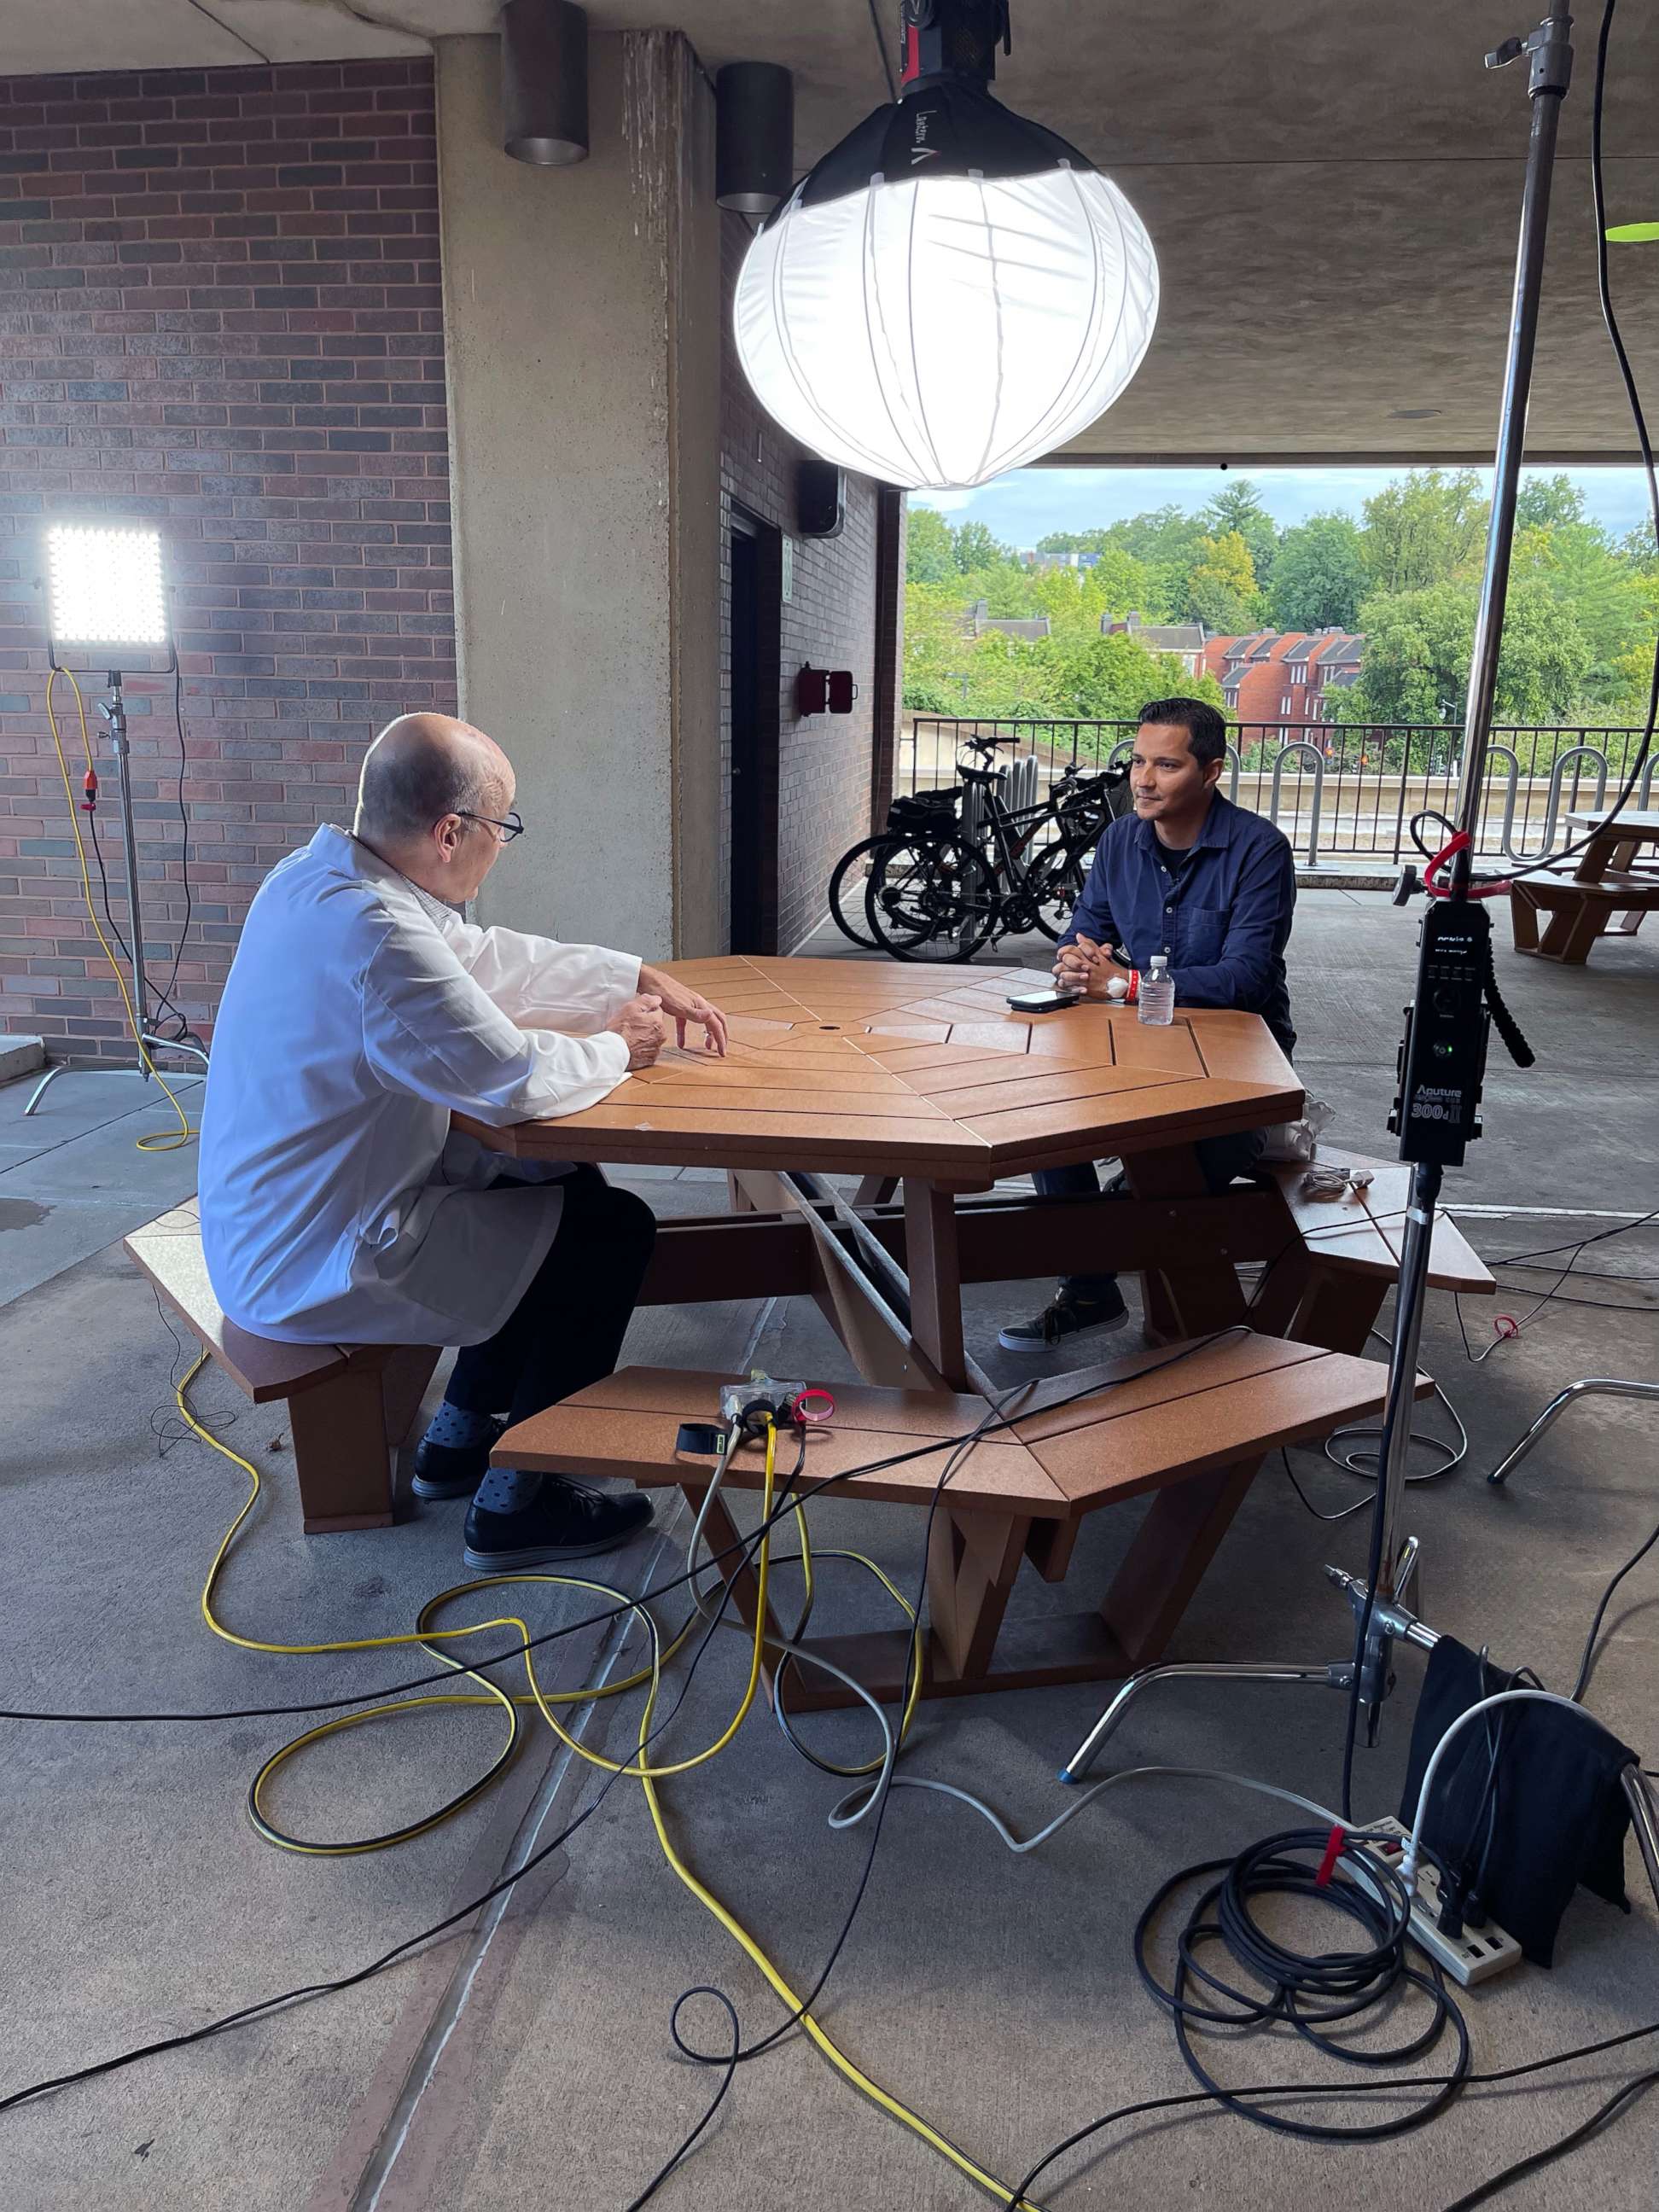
column 1549, row 51
column 1550, row 55
column 115, row 713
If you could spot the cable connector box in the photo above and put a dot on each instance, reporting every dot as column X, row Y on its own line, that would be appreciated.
column 1475, row 1955
column 739, row 1398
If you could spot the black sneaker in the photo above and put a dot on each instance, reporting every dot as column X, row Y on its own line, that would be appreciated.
column 567, row 1521
column 1064, row 1319
column 453, row 1470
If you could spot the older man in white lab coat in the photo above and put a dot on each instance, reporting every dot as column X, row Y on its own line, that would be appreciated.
column 337, row 1206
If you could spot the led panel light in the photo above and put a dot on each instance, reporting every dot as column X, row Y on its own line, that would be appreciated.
column 104, row 585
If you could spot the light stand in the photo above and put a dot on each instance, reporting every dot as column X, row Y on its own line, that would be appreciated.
column 114, row 710
column 105, row 585
column 1442, row 1059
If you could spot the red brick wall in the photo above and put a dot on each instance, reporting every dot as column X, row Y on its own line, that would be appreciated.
column 220, row 311
column 824, row 764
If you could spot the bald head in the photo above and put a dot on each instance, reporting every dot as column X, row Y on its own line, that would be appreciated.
column 422, row 766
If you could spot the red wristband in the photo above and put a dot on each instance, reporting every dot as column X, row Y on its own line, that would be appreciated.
column 1133, row 992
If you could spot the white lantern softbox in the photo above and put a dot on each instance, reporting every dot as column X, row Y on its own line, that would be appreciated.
column 951, row 293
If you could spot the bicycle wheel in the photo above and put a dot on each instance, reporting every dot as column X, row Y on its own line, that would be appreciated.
column 930, row 898
column 1054, row 884
column 847, row 889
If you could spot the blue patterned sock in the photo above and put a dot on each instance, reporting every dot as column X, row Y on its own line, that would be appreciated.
column 458, row 1430
column 508, row 1490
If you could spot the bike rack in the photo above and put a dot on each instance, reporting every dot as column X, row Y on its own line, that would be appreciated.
column 1553, row 805
column 1512, row 792
column 1312, row 753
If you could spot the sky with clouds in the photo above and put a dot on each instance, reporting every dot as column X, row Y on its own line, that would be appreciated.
column 1026, row 504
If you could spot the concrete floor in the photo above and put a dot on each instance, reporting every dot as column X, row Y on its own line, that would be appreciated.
column 525, row 2059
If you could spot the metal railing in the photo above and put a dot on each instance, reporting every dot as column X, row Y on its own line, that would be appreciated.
column 1337, row 791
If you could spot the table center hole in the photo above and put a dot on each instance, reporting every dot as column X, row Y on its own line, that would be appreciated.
column 829, row 1025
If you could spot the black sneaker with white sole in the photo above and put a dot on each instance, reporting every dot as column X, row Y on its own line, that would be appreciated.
column 453, row 1470
column 1066, row 1320
column 566, row 1521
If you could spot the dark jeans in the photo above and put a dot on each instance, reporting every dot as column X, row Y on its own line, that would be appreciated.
column 1222, row 1159
column 566, row 1329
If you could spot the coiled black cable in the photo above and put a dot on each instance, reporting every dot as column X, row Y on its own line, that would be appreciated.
column 1307, row 1992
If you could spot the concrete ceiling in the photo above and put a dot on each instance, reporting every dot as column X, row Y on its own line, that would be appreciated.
column 1333, row 191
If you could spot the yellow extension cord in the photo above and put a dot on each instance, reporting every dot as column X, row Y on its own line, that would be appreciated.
column 164, row 1143
column 544, row 1700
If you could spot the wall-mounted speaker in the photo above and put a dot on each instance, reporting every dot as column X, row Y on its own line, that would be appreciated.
column 820, row 499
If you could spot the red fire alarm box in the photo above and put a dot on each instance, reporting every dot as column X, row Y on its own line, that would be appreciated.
column 825, row 690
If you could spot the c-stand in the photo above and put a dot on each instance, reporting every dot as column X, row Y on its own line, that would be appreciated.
column 1443, row 1058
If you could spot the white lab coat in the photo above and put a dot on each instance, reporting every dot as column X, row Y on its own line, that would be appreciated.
column 360, row 1013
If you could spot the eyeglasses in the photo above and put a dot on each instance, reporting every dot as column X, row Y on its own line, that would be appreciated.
column 505, row 831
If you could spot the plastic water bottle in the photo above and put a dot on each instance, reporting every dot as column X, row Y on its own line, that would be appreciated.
column 1156, row 998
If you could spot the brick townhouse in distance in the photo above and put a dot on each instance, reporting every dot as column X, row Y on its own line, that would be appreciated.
column 224, row 311
column 1283, row 677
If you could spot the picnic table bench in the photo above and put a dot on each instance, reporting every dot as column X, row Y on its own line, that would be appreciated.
column 1187, row 1423
column 1610, row 891
column 349, row 1405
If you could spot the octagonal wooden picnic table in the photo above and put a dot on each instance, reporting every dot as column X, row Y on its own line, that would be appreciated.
column 926, row 1078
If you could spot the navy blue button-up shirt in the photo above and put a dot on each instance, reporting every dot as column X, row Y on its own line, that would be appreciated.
column 1224, row 918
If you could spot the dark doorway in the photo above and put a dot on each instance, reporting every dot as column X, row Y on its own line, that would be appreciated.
column 753, row 616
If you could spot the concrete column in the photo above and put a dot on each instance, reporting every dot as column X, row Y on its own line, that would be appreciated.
column 581, row 319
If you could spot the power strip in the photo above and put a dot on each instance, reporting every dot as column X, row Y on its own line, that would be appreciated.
column 1475, row 1955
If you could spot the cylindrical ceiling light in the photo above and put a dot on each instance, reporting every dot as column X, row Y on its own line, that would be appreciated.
column 754, row 135
column 544, row 81
column 953, row 290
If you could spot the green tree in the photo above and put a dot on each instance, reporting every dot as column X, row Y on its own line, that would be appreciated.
column 1109, row 678
column 1237, row 509
column 937, row 654
column 1081, row 597
column 1423, row 529
column 976, row 549
column 1603, row 593
column 1546, row 502
column 1319, row 575
column 1221, row 591
column 1416, row 667
column 930, row 554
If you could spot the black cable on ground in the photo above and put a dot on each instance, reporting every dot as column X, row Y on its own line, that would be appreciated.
column 412, row 1943
column 1309, row 1992
column 1288, row 2093
column 1598, row 2119
column 1586, row 1665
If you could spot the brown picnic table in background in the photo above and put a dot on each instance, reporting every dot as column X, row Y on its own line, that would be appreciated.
column 1613, row 886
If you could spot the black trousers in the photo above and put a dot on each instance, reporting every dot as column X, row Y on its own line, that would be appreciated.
column 1221, row 1159
column 568, row 1329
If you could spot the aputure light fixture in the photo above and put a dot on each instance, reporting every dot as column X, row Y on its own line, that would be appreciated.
column 953, row 290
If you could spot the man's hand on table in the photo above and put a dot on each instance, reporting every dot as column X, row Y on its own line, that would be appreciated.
column 1084, row 966
column 683, row 1006
column 639, row 1024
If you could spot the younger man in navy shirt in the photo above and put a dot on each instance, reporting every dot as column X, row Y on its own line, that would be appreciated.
column 1194, row 876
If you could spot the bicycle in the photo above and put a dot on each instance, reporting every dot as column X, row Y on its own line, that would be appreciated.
column 936, row 890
